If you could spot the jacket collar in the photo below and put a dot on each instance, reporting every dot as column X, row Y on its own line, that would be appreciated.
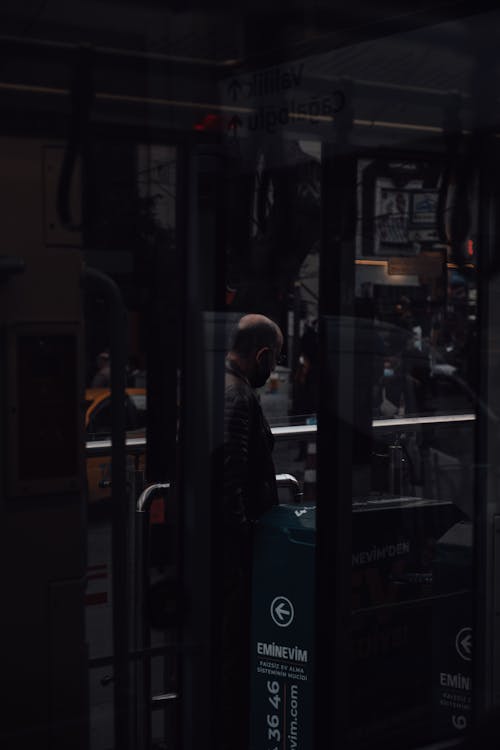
column 233, row 369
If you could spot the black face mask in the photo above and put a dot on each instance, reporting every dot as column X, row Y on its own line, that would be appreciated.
column 262, row 370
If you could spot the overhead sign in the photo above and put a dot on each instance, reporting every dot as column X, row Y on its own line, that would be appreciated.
column 268, row 100
column 266, row 82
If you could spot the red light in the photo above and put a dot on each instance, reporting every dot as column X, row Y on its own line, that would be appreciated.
column 470, row 248
column 210, row 123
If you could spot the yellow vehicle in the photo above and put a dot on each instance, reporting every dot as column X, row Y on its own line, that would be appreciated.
column 98, row 427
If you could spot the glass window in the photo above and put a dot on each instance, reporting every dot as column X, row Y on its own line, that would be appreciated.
column 336, row 172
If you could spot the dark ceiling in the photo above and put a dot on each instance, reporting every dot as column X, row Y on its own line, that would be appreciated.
column 221, row 31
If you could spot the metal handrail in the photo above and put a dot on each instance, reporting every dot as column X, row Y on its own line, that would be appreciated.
column 143, row 507
column 97, row 448
column 137, row 445
column 147, row 496
column 288, row 481
column 413, row 421
column 100, row 285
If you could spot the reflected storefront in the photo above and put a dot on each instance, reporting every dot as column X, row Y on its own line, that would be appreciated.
column 337, row 174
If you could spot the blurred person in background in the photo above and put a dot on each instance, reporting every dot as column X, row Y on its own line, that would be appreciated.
column 102, row 378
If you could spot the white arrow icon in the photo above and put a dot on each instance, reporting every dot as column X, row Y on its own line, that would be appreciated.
column 282, row 611
column 463, row 643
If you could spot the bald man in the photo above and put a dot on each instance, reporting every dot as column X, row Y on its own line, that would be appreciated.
column 249, row 489
column 249, row 478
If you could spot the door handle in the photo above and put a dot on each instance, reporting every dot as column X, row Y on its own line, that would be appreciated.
column 148, row 494
column 160, row 700
column 156, row 604
column 291, row 483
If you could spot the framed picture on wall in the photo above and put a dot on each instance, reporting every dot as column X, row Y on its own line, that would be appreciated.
column 397, row 206
column 392, row 214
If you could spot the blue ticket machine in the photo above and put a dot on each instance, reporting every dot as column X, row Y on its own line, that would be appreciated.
column 282, row 630
column 410, row 625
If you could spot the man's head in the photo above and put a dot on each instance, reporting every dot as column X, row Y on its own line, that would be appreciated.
column 255, row 347
column 103, row 360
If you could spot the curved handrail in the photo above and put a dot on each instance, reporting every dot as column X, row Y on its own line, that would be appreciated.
column 148, row 495
column 284, row 481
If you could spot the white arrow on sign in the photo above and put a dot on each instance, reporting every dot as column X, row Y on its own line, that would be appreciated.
column 282, row 611
column 463, row 643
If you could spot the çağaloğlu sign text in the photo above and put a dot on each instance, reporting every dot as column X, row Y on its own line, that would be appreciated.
column 270, row 99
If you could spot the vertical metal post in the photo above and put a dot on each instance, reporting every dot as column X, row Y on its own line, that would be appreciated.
column 202, row 414
column 141, row 635
column 143, row 642
column 334, row 441
column 484, row 154
column 196, row 526
column 123, row 712
column 486, row 665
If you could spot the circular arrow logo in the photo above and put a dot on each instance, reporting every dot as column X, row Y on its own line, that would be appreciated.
column 282, row 611
column 463, row 643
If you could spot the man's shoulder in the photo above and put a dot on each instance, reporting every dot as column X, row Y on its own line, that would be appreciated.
column 237, row 390
column 238, row 393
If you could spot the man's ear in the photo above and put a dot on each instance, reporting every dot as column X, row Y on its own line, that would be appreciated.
column 263, row 354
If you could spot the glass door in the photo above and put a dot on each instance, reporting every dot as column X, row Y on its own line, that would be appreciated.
column 404, row 420
column 132, row 616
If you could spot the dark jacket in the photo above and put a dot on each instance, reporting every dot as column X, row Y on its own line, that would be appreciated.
column 249, row 484
column 248, row 487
